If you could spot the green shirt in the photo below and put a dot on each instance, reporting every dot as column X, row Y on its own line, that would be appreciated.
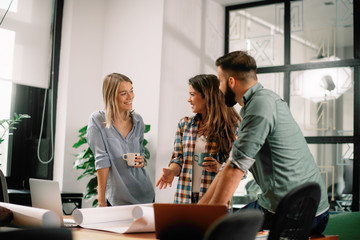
column 271, row 145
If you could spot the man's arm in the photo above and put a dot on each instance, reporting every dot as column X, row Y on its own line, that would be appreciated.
column 227, row 184
column 223, row 186
column 210, row 192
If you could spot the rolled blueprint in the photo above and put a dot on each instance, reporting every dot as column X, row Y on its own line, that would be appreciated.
column 30, row 216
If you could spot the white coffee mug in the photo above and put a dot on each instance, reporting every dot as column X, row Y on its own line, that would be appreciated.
column 130, row 158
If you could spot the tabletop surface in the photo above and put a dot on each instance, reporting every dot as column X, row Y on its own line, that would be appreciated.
column 88, row 234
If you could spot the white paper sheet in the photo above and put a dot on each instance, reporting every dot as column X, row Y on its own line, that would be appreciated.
column 30, row 216
column 119, row 219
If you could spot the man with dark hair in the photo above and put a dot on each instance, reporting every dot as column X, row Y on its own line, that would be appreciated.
column 270, row 144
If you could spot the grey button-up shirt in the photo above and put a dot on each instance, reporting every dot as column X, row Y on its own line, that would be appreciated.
column 125, row 184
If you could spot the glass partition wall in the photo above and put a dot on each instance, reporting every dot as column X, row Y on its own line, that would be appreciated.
column 308, row 52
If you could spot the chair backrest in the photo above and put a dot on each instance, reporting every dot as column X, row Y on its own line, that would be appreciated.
column 296, row 212
column 4, row 196
column 38, row 234
column 241, row 225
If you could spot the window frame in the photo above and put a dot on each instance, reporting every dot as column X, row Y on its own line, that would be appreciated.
column 287, row 68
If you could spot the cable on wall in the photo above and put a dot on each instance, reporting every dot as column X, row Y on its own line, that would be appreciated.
column 51, row 100
column 7, row 10
column 51, row 126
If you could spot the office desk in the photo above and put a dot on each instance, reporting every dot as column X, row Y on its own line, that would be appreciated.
column 88, row 234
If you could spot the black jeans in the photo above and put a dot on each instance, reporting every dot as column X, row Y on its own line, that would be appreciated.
column 318, row 226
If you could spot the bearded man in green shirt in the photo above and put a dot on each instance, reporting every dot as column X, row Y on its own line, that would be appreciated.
column 270, row 144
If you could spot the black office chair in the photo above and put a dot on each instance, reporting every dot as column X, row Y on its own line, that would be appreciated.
column 295, row 213
column 4, row 196
column 37, row 234
column 241, row 225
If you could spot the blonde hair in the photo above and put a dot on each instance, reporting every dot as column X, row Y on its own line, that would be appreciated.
column 110, row 89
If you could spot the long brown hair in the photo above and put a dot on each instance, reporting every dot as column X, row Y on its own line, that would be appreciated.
column 110, row 89
column 220, row 121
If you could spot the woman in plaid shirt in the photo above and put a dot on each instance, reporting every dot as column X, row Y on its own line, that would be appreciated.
column 211, row 130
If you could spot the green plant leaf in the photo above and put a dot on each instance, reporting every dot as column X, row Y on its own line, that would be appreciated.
column 92, row 184
column 147, row 128
column 79, row 143
column 80, row 177
column 25, row 116
column 89, row 195
column 8, row 124
column 88, row 154
column 83, row 129
column 78, row 164
column 147, row 154
column 95, row 203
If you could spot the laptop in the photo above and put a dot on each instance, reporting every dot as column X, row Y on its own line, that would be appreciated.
column 46, row 194
column 185, row 221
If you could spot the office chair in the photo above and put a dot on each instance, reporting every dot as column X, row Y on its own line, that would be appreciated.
column 295, row 213
column 241, row 225
column 37, row 234
column 5, row 214
column 4, row 196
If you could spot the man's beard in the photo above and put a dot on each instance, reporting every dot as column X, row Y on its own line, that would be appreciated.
column 229, row 97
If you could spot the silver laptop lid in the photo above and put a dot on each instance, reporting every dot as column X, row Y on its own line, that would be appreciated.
column 46, row 194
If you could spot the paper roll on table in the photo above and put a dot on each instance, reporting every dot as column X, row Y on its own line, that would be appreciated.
column 120, row 219
column 30, row 216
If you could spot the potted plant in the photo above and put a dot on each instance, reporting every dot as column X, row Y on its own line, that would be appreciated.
column 85, row 161
column 9, row 124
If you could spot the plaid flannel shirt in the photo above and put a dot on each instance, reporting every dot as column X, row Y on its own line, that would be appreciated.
column 184, row 147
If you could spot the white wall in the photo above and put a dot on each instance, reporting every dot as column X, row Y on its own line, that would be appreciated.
column 158, row 44
column 132, row 46
column 81, row 62
column 192, row 40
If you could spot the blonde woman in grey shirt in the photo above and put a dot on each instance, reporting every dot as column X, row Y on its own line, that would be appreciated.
column 111, row 134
